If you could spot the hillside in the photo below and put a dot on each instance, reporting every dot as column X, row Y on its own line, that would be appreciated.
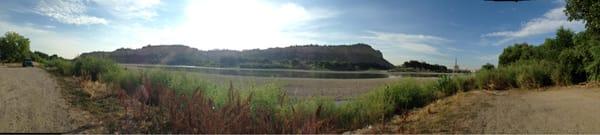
column 339, row 57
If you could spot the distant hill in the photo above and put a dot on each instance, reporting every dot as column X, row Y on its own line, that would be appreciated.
column 338, row 57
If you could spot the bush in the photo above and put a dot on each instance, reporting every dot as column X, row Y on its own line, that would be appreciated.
column 61, row 66
column 533, row 77
column 593, row 68
column 380, row 104
column 447, row 85
column 465, row 83
column 497, row 79
column 93, row 67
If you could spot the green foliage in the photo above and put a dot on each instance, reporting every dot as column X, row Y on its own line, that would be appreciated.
column 487, row 66
column 533, row 74
column 93, row 67
column 381, row 103
column 497, row 79
column 465, row 83
column 570, row 54
column 586, row 10
column 424, row 66
column 447, row 85
column 517, row 52
column 593, row 68
column 572, row 65
column 14, row 47
column 61, row 66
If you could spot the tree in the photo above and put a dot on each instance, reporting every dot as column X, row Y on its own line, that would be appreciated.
column 14, row 47
column 517, row 52
column 487, row 66
column 587, row 10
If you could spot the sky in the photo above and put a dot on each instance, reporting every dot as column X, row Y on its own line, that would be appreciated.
column 436, row 31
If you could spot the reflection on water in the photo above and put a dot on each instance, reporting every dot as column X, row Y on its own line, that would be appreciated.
column 276, row 72
column 293, row 73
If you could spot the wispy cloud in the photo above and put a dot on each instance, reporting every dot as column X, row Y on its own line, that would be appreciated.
column 68, row 12
column 49, row 41
column 131, row 9
column 545, row 24
column 417, row 43
column 245, row 25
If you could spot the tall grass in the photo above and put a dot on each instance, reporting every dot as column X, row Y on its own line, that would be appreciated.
column 158, row 101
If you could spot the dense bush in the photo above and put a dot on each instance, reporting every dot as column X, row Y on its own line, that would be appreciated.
column 61, row 66
column 92, row 67
column 533, row 74
column 380, row 104
column 447, row 85
column 497, row 79
column 14, row 47
column 465, row 83
column 593, row 68
column 571, row 57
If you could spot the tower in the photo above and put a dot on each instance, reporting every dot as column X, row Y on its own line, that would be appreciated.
column 456, row 68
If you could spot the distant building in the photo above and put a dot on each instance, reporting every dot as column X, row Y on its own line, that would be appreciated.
column 456, row 68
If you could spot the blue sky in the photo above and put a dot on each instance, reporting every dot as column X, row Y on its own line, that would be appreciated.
column 436, row 31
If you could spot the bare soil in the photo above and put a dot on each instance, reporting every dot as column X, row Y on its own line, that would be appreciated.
column 31, row 102
column 554, row 110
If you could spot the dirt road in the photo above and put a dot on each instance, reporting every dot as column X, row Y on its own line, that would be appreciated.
column 556, row 110
column 31, row 101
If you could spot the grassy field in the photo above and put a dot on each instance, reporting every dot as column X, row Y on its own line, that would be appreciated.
column 163, row 101
column 339, row 89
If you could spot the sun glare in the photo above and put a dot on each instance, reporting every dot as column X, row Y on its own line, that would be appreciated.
column 248, row 24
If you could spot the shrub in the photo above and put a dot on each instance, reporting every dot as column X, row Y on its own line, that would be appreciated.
column 533, row 77
column 61, row 66
column 465, row 83
column 93, row 67
column 497, row 79
column 593, row 68
column 487, row 66
column 447, row 85
column 379, row 104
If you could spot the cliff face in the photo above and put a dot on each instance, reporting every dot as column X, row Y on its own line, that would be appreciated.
column 339, row 57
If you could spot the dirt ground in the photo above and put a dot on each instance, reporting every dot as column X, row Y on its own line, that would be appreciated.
column 554, row 110
column 31, row 101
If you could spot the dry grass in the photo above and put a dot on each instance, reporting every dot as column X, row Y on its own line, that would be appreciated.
column 197, row 113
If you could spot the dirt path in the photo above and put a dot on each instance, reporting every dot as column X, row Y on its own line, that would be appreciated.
column 556, row 110
column 31, row 101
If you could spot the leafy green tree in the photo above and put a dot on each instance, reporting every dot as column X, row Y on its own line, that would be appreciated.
column 571, row 61
column 487, row 66
column 587, row 10
column 522, row 51
column 593, row 68
column 14, row 47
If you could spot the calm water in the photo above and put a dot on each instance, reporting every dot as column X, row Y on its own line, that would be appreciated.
column 292, row 73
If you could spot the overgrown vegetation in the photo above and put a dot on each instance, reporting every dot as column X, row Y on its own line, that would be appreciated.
column 14, row 47
column 179, row 102
column 418, row 66
column 569, row 58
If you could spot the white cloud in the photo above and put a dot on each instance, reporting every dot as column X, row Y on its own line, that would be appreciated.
column 229, row 24
column 545, row 24
column 68, row 12
column 489, row 58
column 423, row 44
column 50, row 42
column 130, row 9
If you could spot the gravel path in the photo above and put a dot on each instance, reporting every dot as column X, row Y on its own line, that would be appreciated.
column 555, row 110
column 31, row 101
